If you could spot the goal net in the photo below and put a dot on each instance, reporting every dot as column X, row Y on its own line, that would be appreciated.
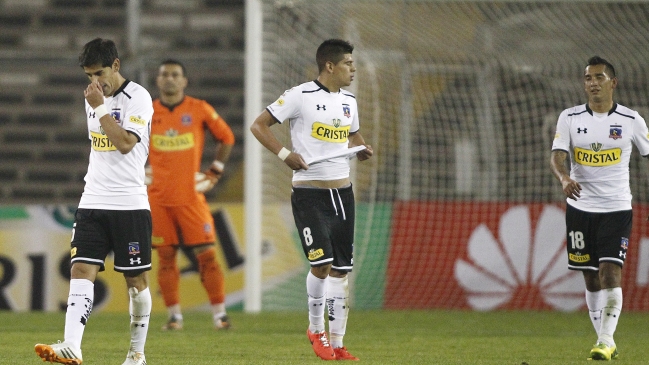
column 458, row 207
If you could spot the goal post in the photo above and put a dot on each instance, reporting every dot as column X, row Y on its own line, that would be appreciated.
column 459, row 99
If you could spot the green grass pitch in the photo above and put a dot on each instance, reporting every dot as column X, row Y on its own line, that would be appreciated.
column 376, row 337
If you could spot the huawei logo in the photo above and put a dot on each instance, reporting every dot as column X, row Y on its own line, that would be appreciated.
column 525, row 267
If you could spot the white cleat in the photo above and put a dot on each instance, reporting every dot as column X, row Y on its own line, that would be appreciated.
column 135, row 358
column 62, row 353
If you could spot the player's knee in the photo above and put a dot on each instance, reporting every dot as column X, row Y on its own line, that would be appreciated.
column 321, row 271
column 166, row 257
column 206, row 256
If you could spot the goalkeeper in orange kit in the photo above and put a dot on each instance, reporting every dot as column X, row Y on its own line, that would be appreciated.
column 176, row 187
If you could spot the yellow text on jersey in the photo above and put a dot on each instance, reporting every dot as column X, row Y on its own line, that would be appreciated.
column 328, row 133
column 172, row 143
column 101, row 143
column 137, row 120
column 600, row 158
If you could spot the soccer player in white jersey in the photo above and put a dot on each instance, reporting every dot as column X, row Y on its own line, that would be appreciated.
column 323, row 119
column 113, row 213
column 598, row 137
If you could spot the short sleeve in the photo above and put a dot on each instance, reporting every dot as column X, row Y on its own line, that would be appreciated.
column 562, row 134
column 641, row 135
column 137, row 118
column 287, row 106
column 355, row 121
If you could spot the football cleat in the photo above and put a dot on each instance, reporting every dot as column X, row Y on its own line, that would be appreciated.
column 62, row 353
column 222, row 323
column 602, row 351
column 134, row 358
column 321, row 346
column 173, row 324
column 343, row 354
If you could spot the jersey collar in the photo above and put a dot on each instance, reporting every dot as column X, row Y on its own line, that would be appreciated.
column 321, row 86
column 121, row 88
column 172, row 107
column 590, row 111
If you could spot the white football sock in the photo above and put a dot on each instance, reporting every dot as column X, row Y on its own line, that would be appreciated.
column 175, row 311
column 337, row 309
column 140, row 309
column 80, row 299
column 218, row 310
column 316, row 290
column 595, row 300
column 610, row 315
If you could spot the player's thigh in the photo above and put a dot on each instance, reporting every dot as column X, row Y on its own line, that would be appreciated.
column 581, row 239
column 164, row 228
column 196, row 223
column 131, row 239
column 310, row 215
column 90, row 242
column 342, row 233
column 613, row 236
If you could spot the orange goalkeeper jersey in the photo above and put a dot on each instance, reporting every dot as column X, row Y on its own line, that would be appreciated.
column 177, row 139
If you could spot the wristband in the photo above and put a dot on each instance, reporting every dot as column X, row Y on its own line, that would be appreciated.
column 100, row 111
column 217, row 166
column 283, row 153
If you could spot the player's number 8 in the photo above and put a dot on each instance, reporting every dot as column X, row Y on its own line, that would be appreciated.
column 308, row 239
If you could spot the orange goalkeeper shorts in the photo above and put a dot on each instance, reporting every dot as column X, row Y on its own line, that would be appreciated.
column 193, row 222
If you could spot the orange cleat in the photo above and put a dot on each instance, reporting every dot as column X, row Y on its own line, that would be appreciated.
column 321, row 346
column 343, row 354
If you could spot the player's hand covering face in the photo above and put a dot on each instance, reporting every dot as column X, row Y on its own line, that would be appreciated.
column 105, row 76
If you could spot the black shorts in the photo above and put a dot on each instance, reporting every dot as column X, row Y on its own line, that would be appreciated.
column 597, row 237
column 97, row 232
column 325, row 222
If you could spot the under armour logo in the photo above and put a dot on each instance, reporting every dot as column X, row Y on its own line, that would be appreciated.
column 623, row 254
column 324, row 107
column 139, row 325
column 91, row 115
column 585, row 130
column 136, row 260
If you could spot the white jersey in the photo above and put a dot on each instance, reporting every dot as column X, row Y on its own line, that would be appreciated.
column 320, row 123
column 115, row 181
column 600, row 146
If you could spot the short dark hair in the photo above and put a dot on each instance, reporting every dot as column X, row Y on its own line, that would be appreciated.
column 332, row 50
column 597, row 60
column 171, row 61
column 98, row 51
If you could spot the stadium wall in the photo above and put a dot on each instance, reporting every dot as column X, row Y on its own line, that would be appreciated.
column 420, row 255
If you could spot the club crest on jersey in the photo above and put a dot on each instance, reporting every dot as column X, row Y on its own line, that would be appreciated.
column 615, row 132
column 186, row 120
column 347, row 111
column 625, row 243
column 133, row 248
column 116, row 114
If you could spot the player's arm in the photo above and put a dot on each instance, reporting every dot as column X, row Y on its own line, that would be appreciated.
column 120, row 138
column 571, row 188
column 260, row 128
column 356, row 139
column 224, row 137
